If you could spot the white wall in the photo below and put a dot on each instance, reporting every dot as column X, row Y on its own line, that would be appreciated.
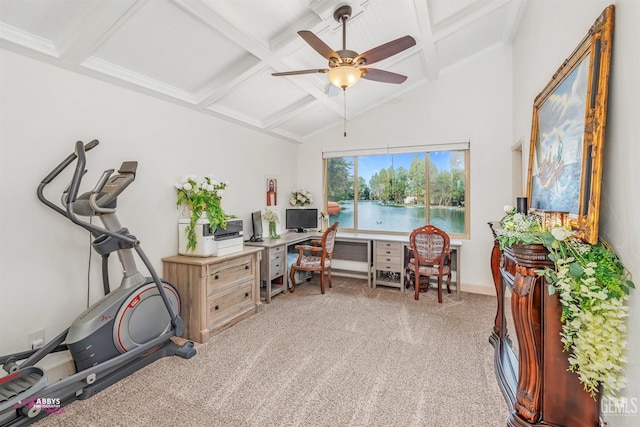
column 489, row 100
column 549, row 32
column 43, row 111
column 472, row 101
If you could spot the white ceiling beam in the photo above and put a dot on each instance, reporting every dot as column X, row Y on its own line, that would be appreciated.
column 427, row 41
column 244, row 37
column 291, row 111
column 96, row 22
column 514, row 15
column 465, row 17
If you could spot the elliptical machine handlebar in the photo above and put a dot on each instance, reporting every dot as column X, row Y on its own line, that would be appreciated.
column 56, row 171
column 74, row 187
column 77, row 175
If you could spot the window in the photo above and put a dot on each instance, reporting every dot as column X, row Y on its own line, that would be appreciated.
column 398, row 192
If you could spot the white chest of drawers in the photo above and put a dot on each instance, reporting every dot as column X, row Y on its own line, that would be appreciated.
column 388, row 267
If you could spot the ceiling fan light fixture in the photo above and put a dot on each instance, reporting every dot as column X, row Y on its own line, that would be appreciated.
column 344, row 76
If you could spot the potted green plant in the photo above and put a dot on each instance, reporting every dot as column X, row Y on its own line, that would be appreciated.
column 203, row 198
column 592, row 285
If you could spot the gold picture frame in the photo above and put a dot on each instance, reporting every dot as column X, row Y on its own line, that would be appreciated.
column 567, row 133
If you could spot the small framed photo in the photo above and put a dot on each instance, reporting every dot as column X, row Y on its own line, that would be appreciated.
column 272, row 190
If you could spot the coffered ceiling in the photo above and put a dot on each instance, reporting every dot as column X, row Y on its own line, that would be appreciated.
column 217, row 56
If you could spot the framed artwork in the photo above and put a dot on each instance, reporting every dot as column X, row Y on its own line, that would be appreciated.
column 272, row 190
column 567, row 133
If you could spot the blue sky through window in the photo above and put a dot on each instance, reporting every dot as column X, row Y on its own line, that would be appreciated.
column 369, row 165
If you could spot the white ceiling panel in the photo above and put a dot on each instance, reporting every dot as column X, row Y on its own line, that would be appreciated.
column 315, row 116
column 475, row 37
column 41, row 18
column 217, row 56
column 154, row 43
column 261, row 96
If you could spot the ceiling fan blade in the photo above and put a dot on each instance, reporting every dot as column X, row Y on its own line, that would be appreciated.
column 386, row 50
column 293, row 73
column 382, row 76
column 320, row 46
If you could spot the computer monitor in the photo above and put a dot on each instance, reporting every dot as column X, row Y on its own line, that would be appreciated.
column 301, row 219
column 256, row 220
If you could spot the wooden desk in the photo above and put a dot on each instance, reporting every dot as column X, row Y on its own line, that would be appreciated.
column 390, row 251
column 352, row 257
column 273, row 265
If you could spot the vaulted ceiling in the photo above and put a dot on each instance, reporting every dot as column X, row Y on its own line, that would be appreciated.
column 217, row 56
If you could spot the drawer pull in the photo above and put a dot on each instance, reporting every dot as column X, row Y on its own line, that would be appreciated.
column 217, row 307
column 388, row 252
column 246, row 294
column 246, row 267
column 388, row 259
column 216, row 277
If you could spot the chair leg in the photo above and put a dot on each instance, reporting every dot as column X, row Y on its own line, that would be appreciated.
column 322, row 281
column 449, row 283
column 440, row 289
column 416, row 285
column 329, row 276
column 292, row 277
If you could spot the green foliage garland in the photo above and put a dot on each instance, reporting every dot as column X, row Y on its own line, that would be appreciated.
column 592, row 285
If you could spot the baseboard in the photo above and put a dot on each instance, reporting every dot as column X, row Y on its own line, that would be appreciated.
column 479, row 289
column 57, row 366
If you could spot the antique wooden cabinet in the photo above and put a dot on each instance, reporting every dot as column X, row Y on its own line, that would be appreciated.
column 530, row 365
column 215, row 292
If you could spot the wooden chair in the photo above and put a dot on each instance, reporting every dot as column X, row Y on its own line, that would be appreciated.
column 316, row 257
column 429, row 256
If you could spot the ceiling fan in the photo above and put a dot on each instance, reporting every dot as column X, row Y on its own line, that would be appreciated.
column 346, row 67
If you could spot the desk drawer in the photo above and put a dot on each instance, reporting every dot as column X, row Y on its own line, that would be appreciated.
column 276, row 251
column 389, row 248
column 225, row 306
column 387, row 262
column 228, row 273
column 277, row 262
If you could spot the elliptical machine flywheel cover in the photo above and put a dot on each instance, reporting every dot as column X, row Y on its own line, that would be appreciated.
column 143, row 316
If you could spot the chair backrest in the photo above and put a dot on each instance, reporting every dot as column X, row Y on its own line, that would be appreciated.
column 328, row 240
column 429, row 244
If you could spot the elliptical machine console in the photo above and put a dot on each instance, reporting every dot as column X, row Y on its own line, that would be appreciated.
column 128, row 328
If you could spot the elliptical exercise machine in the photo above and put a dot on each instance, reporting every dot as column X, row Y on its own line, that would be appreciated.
column 127, row 329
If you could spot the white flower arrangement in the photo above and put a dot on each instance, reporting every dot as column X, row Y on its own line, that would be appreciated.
column 518, row 228
column 300, row 198
column 592, row 286
column 271, row 217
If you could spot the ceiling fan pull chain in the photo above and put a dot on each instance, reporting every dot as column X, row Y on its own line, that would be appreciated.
column 344, row 91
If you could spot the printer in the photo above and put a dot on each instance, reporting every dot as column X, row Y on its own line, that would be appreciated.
column 221, row 241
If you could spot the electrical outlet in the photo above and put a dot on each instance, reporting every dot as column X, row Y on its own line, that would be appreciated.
column 36, row 339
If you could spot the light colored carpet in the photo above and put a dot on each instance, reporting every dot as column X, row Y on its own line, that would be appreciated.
column 352, row 357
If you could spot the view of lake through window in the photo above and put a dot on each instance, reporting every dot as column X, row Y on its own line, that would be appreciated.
column 392, row 191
